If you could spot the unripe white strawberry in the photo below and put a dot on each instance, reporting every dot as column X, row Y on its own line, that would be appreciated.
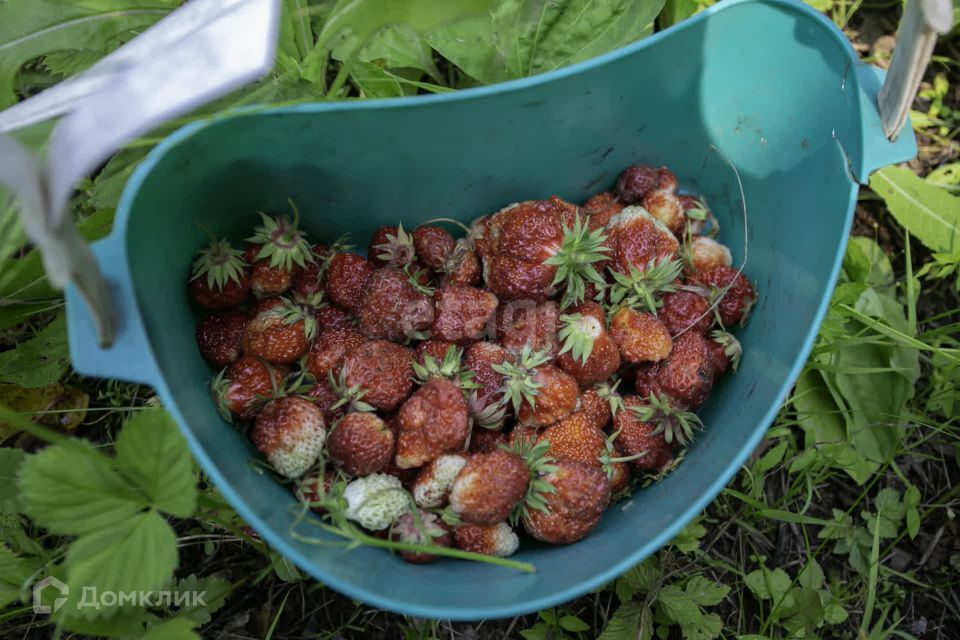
column 433, row 485
column 290, row 432
column 706, row 253
column 375, row 501
column 492, row 540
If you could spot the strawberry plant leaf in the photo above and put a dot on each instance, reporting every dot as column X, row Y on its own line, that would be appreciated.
column 39, row 361
column 925, row 210
column 705, row 592
column 214, row 592
column 75, row 490
column 400, row 46
column 104, row 558
column 15, row 573
column 152, row 451
column 10, row 461
column 631, row 621
column 767, row 584
column 174, row 629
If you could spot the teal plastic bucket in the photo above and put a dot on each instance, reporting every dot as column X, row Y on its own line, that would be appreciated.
column 770, row 84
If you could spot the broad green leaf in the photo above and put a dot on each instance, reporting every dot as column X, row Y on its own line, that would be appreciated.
column 10, row 461
column 925, row 210
column 946, row 176
column 39, row 361
column 214, row 591
column 75, row 490
column 32, row 28
column 767, row 584
column 375, row 82
column 705, row 592
column 678, row 605
column 811, row 576
column 14, row 573
column 675, row 11
column 123, row 622
column 573, row 624
column 688, row 540
column 137, row 554
column 640, row 579
column 631, row 621
column 72, row 62
column 891, row 512
column 804, row 610
column 866, row 262
column 175, row 629
column 152, row 451
column 400, row 46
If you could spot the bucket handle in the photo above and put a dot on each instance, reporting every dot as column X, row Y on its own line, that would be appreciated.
column 198, row 53
column 922, row 22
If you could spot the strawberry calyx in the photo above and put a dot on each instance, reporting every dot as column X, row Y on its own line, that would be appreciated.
column 731, row 346
column 220, row 263
column 352, row 396
column 607, row 459
column 675, row 424
column 641, row 288
column 520, row 383
column 292, row 312
column 486, row 415
column 414, row 280
column 219, row 386
column 575, row 258
column 608, row 392
column 540, row 465
column 281, row 241
column 449, row 368
column 577, row 335
column 398, row 250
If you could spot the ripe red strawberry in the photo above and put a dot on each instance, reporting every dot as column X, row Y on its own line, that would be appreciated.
column 540, row 394
column 725, row 350
column 279, row 332
column 637, row 437
column 433, row 246
column 462, row 266
column 310, row 280
column 424, row 528
column 637, row 181
column 575, row 438
column 483, row 233
column 588, row 353
column 243, row 387
column 635, row 239
column 600, row 208
column 330, row 317
column 346, row 280
column 265, row 279
column 433, row 421
column 326, row 399
column 490, row 540
column 329, row 350
column 395, row 306
column 735, row 304
column 462, row 313
column 522, row 324
column 378, row 374
column 290, row 432
column 706, row 253
column 665, row 206
column 480, row 358
column 596, row 404
column 618, row 472
column 220, row 336
column 446, row 366
column 484, row 440
column 432, row 486
column 686, row 376
column 642, row 337
column 313, row 488
column 278, row 250
column 685, row 310
column 489, row 486
column 435, row 349
column 676, row 424
column 361, row 443
column 219, row 278
column 391, row 247
column 573, row 509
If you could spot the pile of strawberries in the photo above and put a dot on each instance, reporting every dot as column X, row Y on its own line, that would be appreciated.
column 450, row 391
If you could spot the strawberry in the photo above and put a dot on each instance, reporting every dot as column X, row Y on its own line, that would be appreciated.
column 278, row 249
column 635, row 239
column 447, row 365
column 421, row 529
column 489, row 486
column 376, row 501
column 642, row 288
column 665, row 206
column 435, row 349
column 575, row 259
column 432, row 421
column 290, row 432
column 573, row 508
column 676, row 425
column 725, row 350
column 540, row 394
column 330, row 349
column 432, row 486
column 243, row 387
column 377, row 374
column 600, row 208
column 685, row 310
column 219, row 278
column 735, row 293
column 361, row 443
column 266, row 280
column 330, row 317
column 706, row 253
column 617, row 470
column 279, row 332
column 479, row 359
column 575, row 438
column 462, row 266
column 490, row 540
column 395, row 306
column 588, row 353
column 686, row 376
column 523, row 323
column 326, row 399
column 309, row 280
column 220, row 336
column 391, row 247
column 485, row 440
column 433, row 246
column 598, row 402
column 640, row 438
column 642, row 337
column 313, row 488
column 462, row 313
column 347, row 278
column 637, row 181
column 699, row 217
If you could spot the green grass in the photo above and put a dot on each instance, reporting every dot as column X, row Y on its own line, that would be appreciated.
column 841, row 524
